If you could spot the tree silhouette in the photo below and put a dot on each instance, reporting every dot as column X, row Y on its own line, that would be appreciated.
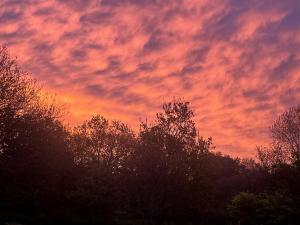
column 102, row 172
column 286, row 133
column 285, row 146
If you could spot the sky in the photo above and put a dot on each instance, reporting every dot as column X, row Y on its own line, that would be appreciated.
column 236, row 61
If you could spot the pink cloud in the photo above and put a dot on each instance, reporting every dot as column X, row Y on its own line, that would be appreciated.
column 238, row 62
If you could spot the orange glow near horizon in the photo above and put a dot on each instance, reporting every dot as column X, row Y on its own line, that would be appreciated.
column 237, row 62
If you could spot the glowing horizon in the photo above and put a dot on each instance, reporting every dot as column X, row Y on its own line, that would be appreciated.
column 236, row 62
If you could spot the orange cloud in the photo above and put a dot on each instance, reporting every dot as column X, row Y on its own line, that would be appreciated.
column 238, row 62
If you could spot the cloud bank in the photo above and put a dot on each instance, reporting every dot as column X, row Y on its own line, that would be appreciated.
column 237, row 62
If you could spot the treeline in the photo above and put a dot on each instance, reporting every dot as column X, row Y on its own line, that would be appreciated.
column 102, row 172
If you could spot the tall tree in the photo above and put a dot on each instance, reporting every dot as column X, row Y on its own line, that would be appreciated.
column 285, row 146
column 17, row 95
column 286, row 133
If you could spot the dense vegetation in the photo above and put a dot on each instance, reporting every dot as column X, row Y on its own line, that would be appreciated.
column 102, row 172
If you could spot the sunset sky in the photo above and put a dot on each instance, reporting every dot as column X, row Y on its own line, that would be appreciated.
column 236, row 61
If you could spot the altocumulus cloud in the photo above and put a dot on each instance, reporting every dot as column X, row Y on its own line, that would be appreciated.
column 238, row 62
